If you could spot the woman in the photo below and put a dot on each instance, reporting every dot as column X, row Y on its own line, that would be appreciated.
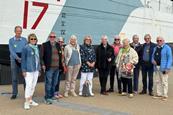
column 30, row 69
column 73, row 63
column 126, row 59
column 88, row 58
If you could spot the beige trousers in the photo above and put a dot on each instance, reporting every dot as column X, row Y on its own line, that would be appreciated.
column 71, row 78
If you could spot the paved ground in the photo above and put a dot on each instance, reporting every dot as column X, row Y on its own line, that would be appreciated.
column 113, row 104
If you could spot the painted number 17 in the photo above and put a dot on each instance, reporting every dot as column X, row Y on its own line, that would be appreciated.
column 25, row 15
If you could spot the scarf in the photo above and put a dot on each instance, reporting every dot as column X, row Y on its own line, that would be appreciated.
column 35, row 48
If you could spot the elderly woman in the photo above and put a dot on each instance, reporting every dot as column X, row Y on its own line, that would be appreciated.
column 126, row 59
column 88, row 58
column 73, row 63
column 30, row 69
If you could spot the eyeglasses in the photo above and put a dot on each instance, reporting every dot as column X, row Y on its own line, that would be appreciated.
column 52, row 36
column 33, row 39
column 159, row 40
column 117, row 39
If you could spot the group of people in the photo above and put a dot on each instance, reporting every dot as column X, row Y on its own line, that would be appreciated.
column 121, row 60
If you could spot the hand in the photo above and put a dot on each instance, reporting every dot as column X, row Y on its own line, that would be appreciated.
column 44, row 68
column 39, row 74
column 154, row 62
column 89, row 64
column 109, row 59
column 167, row 71
column 65, row 69
column 19, row 60
column 24, row 74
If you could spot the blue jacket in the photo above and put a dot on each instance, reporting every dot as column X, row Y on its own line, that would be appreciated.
column 29, row 62
column 166, row 57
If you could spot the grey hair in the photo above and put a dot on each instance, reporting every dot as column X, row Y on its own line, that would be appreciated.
column 135, row 35
column 126, row 39
column 116, row 36
column 160, row 37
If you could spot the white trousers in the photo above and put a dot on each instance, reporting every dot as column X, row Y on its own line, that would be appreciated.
column 84, row 77
column 162, row 84
column 31, row 81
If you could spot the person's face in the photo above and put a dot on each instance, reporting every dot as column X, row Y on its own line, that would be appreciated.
column 61, row 42
column 18, row 32
column 125, row 43
column 88, row 41
column 73, row 41
column 135, row 39
column 52, row 37
column 33, row 40
column 104, row 41
column 147, row 39
column 160, row 41
column 117, row 40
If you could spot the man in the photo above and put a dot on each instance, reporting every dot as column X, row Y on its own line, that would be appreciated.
column 138, row 48
column 147, row 66
column 51, row 64
column 162, row 60
column 60, row 40
column 16, row 45
column 116, row 46
column 104, row 57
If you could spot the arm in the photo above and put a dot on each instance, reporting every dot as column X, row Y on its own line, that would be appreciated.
column 152, row 58
column 12, row 51
column 169, row 59
column 23, row 62
column 134, row 58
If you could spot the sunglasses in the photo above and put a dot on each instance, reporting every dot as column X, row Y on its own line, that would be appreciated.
column 52, row 36
column 33, row 39
column 117, row 39
column 159, row 40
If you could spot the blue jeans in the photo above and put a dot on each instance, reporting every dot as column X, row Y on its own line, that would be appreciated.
column 15, row 73
column 51, row 79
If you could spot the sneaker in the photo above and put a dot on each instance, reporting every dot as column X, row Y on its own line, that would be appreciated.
column 73, row 94
column 48, row 101
column 92, row 94
column 66, row 94
column 131, row 95
column 26, row 106
column 135, row 92
column 33, row 103
column 13, row 97
column 157, row 97
column 164, row 98
column 80, row 93
column 123, row 94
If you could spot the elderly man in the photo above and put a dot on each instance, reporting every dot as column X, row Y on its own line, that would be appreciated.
column 147, row 66
column 51, row 64
column 162, row 60
column 104, row 58
column 138, row 48
column 16, row 45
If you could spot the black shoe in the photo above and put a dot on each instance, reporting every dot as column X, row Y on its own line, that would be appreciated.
column 104, row 93
column 151, row 94
column 119, row 92
column 110, row 91
column 13, row 97
column 143, row 92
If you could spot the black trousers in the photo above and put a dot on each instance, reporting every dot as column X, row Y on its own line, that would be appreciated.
column 147, row 72
column 114, row 71
column 136, row 78
column 103, row 76
column 127, row 84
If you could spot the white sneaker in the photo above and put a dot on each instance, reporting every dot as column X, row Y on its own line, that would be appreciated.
column 123, row 94
column 26, row 106
column 66, row 94
column 73, row 94
column 33, row 103
column 80, row 93
column 92, row 94
column 131, row 95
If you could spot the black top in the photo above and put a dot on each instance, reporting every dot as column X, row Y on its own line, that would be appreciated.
column 157, row 55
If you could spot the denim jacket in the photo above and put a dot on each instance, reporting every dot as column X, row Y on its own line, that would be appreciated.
column 30, row 62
